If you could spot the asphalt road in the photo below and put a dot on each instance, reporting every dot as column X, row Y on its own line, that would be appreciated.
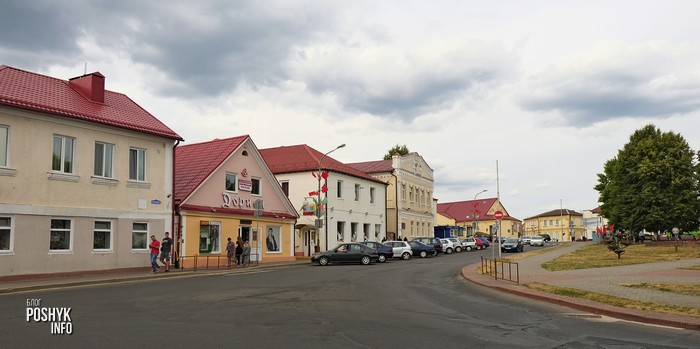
column 420, row 303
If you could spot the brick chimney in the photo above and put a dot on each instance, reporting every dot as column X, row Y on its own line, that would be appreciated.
column 91, row 86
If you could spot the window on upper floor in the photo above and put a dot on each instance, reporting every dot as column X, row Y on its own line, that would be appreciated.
column 410, row 194
column 231, row 182
column 339, row 189
column 256, row 186
column 371, row 195
column 285, row 188
column 4, row 145
column 137, row 164
column 403, row 191
column 63, row 154
column 104, row 159
column 357, row 192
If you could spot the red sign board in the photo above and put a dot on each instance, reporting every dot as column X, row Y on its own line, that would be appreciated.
column 498, row 215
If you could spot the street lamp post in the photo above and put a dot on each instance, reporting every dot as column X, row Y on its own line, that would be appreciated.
column 476, row 217
column 319, row 213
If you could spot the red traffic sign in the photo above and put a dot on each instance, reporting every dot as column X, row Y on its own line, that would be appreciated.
column 498, row 215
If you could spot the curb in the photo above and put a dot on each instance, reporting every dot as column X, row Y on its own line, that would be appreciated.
column 643, row 316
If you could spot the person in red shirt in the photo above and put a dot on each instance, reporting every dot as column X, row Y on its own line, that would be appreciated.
column 155, row 247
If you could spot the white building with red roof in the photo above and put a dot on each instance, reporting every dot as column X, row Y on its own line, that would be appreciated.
column 86, row 176
column 353, row 206
column 219, row 186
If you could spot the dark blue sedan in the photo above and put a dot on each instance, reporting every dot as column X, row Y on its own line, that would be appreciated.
column 384, row 251
column 421, row 249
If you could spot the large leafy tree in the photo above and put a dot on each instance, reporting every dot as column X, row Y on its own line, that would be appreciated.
column 653, row 183
column 401, row 149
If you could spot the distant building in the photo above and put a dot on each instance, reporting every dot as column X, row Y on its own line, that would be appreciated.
column 560, row 224
column 409, row 201
column 86, row 176
column 592, row 220
column 353, row 203
column 477, row 217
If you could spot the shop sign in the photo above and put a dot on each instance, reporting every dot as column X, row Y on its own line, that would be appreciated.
column 228, row 201
column 245, row 184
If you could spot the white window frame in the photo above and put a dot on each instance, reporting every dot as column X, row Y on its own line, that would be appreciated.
column 235, row 182
column 252, row 186
column 371, row 195
column 64, row 154
column 339, row 189
column 358, row 189
column 4, row 146
column 69, row 231
column 111, row 235
column 11, row 228
column 135, row 231
column 107, row 158
column 140, row 170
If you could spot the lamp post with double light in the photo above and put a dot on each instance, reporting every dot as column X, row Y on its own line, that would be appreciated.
column 476, row 217
column 319, row 213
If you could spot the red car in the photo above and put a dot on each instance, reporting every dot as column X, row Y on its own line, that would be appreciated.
column 479, row 244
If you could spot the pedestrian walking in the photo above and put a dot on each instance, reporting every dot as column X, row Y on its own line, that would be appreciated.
column 165, row 247
column 246, row 253
column 239, row 251
column 230, row 252
column 155, row 247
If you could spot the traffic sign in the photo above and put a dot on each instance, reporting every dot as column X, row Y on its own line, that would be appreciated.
column 498, row 215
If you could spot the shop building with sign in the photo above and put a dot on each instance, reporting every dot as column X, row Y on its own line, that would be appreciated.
column 480, row 217
column 224, row 189
column 85, row 176
column 353, row 203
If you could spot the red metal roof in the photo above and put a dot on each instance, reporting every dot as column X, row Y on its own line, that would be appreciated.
column 195, row 162
column 30, row 91
column 557, row 213
column 302, row 158
column 461, row 209
column 379, row 166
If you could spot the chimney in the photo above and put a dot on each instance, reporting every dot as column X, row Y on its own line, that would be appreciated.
column 91, row 86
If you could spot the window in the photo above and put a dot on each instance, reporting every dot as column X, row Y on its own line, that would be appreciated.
column 365, row 229
column 139, row 236
column 5, row 234
column 4, row 143
column 341, row 230
column 371, row 195
column 410, row 194
column 63, row 154
column 137, row 164
column 273, row 240
column 255, row 186
column 353, row 231
column 209, row 237
column 557, row 221
column 104, row 155
column 357, row 192
column 102, row 235
column 403, row 191
column 285, row 188
column 550, row 222
column 230, row 182
column 60, row 235
column 340, row 189
column 377, row 230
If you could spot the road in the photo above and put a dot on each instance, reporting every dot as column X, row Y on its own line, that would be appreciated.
column 420, row 303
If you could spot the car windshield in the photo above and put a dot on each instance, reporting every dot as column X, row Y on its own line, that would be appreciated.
column 512, row 240
column 536, row 238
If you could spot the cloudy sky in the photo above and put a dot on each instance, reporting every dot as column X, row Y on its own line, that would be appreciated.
column 549, row 90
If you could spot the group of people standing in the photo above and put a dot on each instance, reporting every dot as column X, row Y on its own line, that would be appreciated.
column 163, row 248
column 240, row 251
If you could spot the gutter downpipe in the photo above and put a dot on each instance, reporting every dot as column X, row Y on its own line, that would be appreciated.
column 175, row 208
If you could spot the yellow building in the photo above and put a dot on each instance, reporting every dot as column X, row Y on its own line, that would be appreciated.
column 560, row 224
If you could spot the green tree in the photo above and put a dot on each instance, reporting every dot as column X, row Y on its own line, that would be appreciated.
column 401, row 149
column 652, row 183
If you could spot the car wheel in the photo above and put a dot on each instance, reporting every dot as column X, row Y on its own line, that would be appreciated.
column 458, row 249
column 449, row 250
column 365, row 260
column 323, row 260
column 434, row 253
column 405, row 256
column 468, row 248
column 423, row 254
column 381, row 258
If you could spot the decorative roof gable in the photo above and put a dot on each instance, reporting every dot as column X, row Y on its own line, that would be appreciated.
column 71, row 99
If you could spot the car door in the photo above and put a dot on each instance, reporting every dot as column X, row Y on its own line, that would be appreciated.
column 354, row 253
column 341, row 253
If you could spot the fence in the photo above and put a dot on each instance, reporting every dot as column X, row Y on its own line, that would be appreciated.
column 207, row 262
column 497, row 269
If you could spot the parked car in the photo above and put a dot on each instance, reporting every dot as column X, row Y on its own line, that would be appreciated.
column 469, row 243
column 384, row 251
column 431, row 241
column 537, row 241
column 512, row 245
column 526, row 239
column 448, row 247
column 457, row 244
column 479, row 243
column 346, row 253
column 401, row 249
column 485, row 241
column 421, row 249
column 546, row 237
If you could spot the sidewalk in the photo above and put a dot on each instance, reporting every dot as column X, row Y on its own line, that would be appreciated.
column 605, row 281
column 89, row 278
